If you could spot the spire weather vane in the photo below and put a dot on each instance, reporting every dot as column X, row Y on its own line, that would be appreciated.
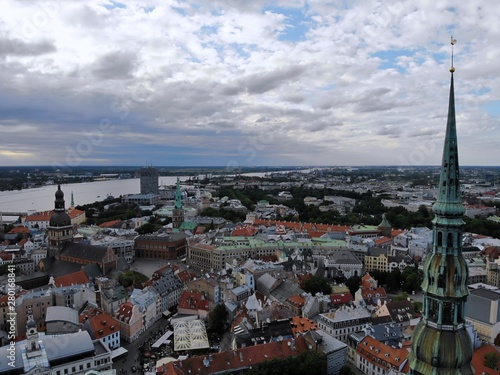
column 453, row 42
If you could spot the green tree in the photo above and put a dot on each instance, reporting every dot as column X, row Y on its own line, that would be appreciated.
column 402, row 296
column 148, row 228
column 317, row 284
column 491, row 360
column 306, row 363
column 346, row 370
column 394, row 280
column 217, row 321
column 353, row 284
column 417, row 306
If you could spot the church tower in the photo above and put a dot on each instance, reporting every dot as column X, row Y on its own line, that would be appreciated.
column 60, row 229
column 178, row 211
column 440, row 342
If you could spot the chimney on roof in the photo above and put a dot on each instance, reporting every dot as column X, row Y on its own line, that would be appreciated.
column 206, row 362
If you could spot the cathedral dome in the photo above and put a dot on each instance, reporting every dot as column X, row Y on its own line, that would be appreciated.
column 59, row 219
column 437, row 351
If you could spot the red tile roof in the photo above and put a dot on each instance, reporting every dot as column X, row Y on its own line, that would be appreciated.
column 74, row 278
column 19, row 230
column 478, row 360
column 296, row 300
column 109, row 224
column 396, row 232
column 101, row 323
column 372, row 292
column 45, row 215
column 381, row 355
column 246, row 231
column 382, row 241
column 125, row 312
column 74, row 213
column 5, row 298
column 193, row 301
column 367, row 281
column 40, row 216
column 185, row 276
column 232, row 360
column 5, row 256
column 317, row 229
column 200, row 229
column 341, row 298
column 302, row 325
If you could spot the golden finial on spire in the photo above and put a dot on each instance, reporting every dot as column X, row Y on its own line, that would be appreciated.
column 453, row 42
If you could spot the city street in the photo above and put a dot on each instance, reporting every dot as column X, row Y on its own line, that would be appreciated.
column 124, row 365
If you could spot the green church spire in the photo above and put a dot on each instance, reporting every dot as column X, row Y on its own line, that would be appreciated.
column 177, row 212
column 178, row 196
column 440, row 342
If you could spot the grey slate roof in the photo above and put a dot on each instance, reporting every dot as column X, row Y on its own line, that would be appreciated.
column 61, row 313
column 83, row 251
column 57, row 347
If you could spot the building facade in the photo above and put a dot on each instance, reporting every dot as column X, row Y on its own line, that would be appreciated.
column 160, row 246
column 149, row 180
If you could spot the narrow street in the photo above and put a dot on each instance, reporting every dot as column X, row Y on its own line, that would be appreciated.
column 124, row 365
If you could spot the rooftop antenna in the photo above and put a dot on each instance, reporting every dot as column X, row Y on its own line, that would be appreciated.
column 453, row 42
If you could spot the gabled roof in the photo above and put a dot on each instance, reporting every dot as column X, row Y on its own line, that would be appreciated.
column 296, row 300
column 246, row 231
column 232, row 360
column 193, row 301
column 400, row 311
column 75, row 212
column 101, row 324
column 19, row 230
column 341, row 298
column 84, row 251
column 381, row 355
column 74, row 278
column 111, row 224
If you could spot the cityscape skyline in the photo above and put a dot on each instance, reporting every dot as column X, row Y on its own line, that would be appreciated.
column 239, row 84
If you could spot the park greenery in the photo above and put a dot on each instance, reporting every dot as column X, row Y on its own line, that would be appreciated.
column 317, row 284
column 407, row 281
column 132, row 278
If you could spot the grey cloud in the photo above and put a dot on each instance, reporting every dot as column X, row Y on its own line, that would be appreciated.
column 390, row 131
column 87, row 17
column 260, row 83
column 296, row 99
column 21, row 48
column 115, row 65
column 423, row 133
column 322, row 125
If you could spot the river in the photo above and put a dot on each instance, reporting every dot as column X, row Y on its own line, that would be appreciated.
column 42, row 198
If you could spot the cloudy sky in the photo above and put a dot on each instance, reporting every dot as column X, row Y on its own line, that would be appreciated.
column 246, row 82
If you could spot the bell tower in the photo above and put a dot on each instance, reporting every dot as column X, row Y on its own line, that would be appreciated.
column 440, row 342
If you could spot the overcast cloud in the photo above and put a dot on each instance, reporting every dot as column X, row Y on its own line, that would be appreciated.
column 246, row 83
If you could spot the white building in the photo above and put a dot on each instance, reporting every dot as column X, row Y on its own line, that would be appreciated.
column 344, row 321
